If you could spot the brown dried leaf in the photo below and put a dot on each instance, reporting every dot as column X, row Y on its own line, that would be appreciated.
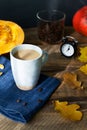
column 71, row 80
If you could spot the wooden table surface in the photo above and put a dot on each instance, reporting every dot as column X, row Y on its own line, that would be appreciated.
column 47, row 118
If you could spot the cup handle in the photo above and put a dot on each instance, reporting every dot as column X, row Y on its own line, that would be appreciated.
column 44, row 57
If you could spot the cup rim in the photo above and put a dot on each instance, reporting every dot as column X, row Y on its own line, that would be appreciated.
column 54, row 11
column 21, row 45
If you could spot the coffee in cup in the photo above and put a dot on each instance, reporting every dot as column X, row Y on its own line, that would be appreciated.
column 27, row 54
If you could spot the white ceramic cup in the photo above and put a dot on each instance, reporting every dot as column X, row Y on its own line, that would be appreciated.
column 26, row 72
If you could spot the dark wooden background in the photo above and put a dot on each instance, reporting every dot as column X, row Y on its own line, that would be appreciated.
column 24, row 12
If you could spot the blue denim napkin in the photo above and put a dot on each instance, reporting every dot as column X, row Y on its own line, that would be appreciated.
column 21, row 105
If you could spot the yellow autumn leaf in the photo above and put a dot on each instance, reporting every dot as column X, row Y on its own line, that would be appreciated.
column 83, row 54
column 1, row 66
column 1, row 73
column 83, row 69
column 68, row 111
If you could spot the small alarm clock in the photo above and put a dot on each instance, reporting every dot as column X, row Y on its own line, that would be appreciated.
column 69, row 46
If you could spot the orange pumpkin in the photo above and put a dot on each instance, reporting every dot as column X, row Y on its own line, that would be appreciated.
column 11, row 34
column 80, row 21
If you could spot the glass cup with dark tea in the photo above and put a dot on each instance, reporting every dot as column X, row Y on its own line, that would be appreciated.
column 50, row 26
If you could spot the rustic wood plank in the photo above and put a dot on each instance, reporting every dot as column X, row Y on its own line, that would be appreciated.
column 31, row 35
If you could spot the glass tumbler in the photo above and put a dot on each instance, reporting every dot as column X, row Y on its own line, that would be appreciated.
column 50, row 26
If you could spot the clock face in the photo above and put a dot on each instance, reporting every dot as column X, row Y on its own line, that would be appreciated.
column 67, row 50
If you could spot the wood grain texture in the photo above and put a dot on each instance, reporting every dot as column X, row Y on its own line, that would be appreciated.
column 47, row 118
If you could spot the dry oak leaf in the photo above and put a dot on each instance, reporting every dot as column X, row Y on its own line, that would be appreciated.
column 11, row 34
column 71, row 80
column 68, row 111
column 83, row 54
column 83, row 69
column 1, row 73
column 1, row 66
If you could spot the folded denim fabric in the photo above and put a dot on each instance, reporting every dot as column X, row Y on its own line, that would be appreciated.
column 20, row 105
